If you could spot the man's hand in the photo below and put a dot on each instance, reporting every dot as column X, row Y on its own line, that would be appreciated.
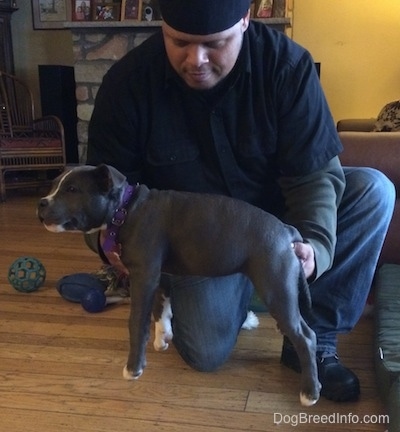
column 305, row 253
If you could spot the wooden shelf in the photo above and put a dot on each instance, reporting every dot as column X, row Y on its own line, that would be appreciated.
column 151, row 24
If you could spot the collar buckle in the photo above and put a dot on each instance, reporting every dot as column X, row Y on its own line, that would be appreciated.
column 119, row 217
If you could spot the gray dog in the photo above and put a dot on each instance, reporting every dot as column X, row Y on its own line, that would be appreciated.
column 186, row 234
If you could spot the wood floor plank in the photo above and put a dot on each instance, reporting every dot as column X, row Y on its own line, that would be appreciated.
column 26, row 420
column 121, row 390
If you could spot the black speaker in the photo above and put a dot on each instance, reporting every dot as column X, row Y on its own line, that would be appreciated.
column 57, row 97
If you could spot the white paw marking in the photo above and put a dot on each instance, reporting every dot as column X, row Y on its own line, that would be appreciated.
column 160, row 345
column 129, row 375
column 163, row 330
column 306, row 401
column 251, row 321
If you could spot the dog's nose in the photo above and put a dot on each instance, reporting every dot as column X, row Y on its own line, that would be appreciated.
column 44, row 202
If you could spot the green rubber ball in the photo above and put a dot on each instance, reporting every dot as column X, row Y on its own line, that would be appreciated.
column 26, row 274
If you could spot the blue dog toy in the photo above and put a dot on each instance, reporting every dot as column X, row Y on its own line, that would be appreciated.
column 88, row 290
column 94, row 301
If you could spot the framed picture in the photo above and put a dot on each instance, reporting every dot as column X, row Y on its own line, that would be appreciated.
column 264, row 9
column 131, row 10
column 50, row 14
column 106, row 11
column 81, row 10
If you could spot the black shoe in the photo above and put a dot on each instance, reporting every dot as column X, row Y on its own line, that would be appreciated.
column 339, row 383
column 289, row 357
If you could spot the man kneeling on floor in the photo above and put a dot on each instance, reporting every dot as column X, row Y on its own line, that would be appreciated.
column 217, row 103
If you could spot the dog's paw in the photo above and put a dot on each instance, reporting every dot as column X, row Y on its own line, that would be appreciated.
column 251, row 321
column 162, row 335
column 128, row 375
column 307, row 400
column 160, row 345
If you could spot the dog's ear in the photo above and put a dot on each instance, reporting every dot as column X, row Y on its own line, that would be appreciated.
column 108, row 178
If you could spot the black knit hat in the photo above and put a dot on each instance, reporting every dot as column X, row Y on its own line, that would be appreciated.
column 202, row 17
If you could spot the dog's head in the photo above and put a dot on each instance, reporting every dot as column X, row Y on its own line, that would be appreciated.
column 82, row 199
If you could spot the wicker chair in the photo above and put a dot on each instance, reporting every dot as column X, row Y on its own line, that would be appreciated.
column 26, row 144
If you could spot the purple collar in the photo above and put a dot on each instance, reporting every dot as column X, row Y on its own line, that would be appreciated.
column 109, row 236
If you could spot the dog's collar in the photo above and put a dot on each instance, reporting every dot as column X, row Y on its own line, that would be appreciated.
column 109, row 236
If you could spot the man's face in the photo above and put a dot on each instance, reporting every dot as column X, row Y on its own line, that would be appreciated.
column 203, row 61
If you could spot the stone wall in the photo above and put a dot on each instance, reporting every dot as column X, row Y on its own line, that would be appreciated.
column 95, row 50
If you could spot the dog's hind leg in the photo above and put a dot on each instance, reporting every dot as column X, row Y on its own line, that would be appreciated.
column 304, row 341
column 281, row 297
column 287, row 314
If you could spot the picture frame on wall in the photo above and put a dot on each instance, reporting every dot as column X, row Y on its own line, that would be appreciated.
column 131, row 10
column 106, row 11
column 264, row 9
column 50, row 14
column 81, row 10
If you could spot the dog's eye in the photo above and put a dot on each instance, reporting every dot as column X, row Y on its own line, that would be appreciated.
column 72, row 189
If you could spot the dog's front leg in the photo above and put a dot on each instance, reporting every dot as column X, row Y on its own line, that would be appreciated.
column 162, row 314
column 163, row 328
column 142, row 293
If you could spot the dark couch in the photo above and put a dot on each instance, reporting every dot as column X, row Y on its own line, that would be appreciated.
column 379, row 150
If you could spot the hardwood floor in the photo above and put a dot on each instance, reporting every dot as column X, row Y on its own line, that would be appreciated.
column 61, row 367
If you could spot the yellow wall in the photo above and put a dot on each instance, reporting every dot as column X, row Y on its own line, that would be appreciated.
column 357, row 42
column 358, row 45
